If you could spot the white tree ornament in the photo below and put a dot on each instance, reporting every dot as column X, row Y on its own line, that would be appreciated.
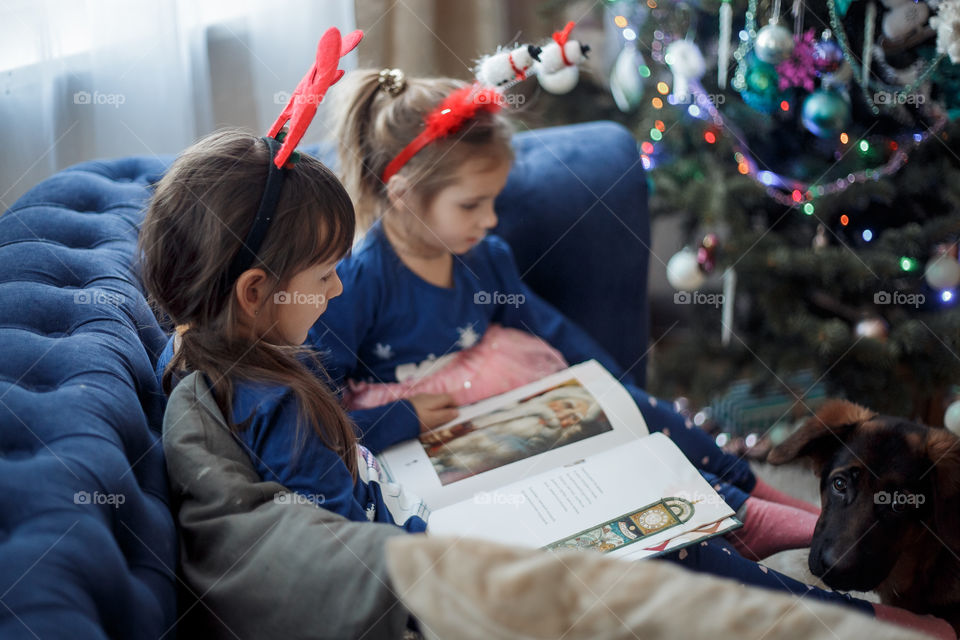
column 687, row 64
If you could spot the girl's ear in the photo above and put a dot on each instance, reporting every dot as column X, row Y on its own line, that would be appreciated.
column 251, row 290
column 398, row 188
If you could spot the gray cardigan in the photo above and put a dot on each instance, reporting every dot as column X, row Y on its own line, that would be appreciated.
column 255, row 567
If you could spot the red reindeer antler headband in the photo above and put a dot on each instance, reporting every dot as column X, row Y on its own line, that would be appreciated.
column 554, row 64
column 299, row 112
column 311, row 90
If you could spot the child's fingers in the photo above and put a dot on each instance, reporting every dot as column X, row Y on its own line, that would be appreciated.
column 436, row 417
column 437, row 400
column 446, row 415
column 445, row 400
column 434, row 409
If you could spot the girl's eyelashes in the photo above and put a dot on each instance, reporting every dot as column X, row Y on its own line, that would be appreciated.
column 470, row 206
column 327, row 274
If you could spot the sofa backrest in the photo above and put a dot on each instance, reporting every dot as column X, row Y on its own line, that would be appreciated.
column 87, row 540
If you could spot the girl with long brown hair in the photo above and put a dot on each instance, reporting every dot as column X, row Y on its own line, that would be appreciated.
column 243, row 327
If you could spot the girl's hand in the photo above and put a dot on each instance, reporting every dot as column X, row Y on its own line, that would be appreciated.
column 434, row 409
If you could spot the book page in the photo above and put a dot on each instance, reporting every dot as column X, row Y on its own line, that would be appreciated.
column 630, row 501
column 545, row 425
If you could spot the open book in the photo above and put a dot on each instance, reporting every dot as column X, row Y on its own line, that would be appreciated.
column 565, row 462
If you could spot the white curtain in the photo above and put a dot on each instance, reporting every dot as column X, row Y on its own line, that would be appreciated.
column 87, row 79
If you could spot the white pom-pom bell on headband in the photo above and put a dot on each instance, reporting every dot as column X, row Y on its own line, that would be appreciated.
column 555, row 65
column 559, row 67
column 506, row 66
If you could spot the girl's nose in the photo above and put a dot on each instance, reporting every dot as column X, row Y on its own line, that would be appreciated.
column 337, row 286
column 490, row 220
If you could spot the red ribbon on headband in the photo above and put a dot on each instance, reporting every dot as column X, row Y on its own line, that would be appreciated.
column 447, row 118
column 302, row 105
column 561, row 38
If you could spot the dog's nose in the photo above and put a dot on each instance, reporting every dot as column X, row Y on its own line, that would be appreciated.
column 824, row 560
column 830, row 558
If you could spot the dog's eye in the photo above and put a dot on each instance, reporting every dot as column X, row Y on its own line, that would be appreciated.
column 839, row 484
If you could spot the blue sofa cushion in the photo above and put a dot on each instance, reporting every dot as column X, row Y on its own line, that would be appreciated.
column 575, row 214
column 88, row 542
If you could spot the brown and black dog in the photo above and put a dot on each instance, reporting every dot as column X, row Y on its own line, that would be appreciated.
column 890, row 491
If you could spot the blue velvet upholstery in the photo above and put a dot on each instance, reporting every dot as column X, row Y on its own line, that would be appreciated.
column 87, row 541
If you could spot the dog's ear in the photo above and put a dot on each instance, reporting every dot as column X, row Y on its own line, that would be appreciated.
column 820, row 435
column 943, row 450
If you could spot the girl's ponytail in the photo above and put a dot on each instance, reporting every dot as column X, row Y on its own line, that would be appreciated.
column 354, row 117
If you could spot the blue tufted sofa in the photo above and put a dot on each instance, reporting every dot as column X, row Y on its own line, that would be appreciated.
column 88, row 545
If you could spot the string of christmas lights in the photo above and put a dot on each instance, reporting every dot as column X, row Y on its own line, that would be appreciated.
column 796, row 193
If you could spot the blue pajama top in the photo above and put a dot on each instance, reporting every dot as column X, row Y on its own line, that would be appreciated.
column 389, row 317
column 315, row 471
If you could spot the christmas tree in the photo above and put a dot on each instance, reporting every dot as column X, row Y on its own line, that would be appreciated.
column 813, row 151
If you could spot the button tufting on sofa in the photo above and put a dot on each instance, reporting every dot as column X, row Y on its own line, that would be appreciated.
column 88, row 541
